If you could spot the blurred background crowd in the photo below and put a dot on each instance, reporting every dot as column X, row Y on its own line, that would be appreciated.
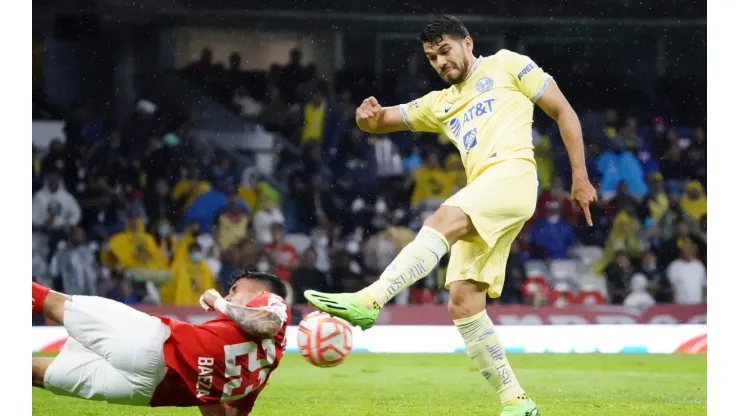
column 137, row 198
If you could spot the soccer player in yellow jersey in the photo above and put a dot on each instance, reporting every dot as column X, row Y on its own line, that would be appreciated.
column 487, row 113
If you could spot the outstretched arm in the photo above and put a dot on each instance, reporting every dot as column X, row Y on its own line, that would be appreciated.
column 258, row 322
column 554, row 103
column 371, row 117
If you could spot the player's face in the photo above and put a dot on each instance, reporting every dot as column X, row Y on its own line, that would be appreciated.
column 244, row 290
column 451, row 58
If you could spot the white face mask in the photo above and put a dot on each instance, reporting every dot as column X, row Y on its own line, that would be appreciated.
column 552, row 219
column 263, row 266
column 196, row 257
column 164, row 230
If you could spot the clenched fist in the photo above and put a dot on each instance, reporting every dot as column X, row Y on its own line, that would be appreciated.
column 368, row 109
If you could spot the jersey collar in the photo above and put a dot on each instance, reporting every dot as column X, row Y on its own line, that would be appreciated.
column 478, row 60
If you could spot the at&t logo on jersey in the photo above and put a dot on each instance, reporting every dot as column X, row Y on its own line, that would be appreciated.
column 484, row 84
column 469, row 114
column 470, row 139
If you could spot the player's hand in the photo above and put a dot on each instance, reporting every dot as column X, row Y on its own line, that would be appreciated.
column 208, row 299
column 584, row 194
column 368, row 109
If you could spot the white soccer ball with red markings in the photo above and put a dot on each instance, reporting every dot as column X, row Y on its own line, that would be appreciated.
column 323, row 340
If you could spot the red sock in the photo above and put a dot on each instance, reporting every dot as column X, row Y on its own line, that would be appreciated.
column 39, row 293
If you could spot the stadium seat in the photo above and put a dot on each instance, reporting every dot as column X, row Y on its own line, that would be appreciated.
column 593, row 290
column 537, row 268
column 536, row 286
column 590, row 297
column 563, row 269
column 300, row 241
column 588, row 255
column 562, row 296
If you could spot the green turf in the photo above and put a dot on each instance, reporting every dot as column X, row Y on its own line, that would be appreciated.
column 383, row 385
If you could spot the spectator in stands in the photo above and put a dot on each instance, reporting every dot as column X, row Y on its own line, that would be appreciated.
column 164, row 236
column 660, row 288
column 623, row 201
column 694, row 202
column 55, row 158
column 267, row 213
column 110, row 158
column 101, row 205
column 223, row 171
column 159, row 204
column 120, row 288
column 203, row 67
column 413, row 160
column 54, row 212
column 623, row 240
column 545, row 162
column 516, row 275
column 275, row 112
column 684, row 236
column 638, row 296
column 159, row 160
column 191, row 277
column 208, row 205
column 618, row 276
column 675, row 214
column 314, row 116
column 231, row 262
column 559, row 194
column 282, row 255
column 293, row 72
column 189, row 188
column 616, row 165
column 74, row 266
column 688, row 276
column 232, row 224
column 456, row 172
column 136, row 252
column 695, row 163
column 551, row 237
column 306, row 276
column 656, row 203
column 431, row 185
column 670, row 163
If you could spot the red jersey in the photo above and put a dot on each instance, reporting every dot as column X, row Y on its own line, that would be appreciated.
column 217, row 362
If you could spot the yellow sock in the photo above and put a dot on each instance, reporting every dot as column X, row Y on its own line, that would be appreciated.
column 487, row 352
column 413, row 263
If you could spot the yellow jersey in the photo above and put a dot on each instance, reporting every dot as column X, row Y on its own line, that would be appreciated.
column 488, row 116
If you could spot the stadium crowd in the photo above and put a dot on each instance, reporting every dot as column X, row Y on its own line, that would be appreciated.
column 150, row 212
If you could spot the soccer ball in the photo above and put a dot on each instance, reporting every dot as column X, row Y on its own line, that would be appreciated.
column 323, row 340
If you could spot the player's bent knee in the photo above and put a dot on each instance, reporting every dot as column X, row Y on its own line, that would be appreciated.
column 467, row 298
column 452, row 222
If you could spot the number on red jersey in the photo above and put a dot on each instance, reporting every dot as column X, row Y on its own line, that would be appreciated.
column 233, row 372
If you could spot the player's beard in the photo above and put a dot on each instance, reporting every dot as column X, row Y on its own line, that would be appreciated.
column 462, row 73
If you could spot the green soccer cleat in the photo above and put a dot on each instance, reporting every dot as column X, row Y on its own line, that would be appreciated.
column 524, row 408
column 348, row 306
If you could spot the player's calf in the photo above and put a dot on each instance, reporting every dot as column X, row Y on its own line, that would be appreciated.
column 467, row 307
column 49, row 302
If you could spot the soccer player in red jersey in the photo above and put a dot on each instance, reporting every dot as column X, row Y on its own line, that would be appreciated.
column 117, row 354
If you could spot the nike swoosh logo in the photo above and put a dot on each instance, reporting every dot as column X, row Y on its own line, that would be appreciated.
column 447, row 109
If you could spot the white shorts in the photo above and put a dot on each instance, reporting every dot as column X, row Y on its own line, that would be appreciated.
column 113, row 353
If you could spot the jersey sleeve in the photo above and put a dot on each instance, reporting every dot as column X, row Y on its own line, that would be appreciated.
column 273, row 303
column 418, row 115
column 528, row 78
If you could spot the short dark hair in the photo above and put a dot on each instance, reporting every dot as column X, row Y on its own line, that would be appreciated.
column 273, row 282
column 443, row 25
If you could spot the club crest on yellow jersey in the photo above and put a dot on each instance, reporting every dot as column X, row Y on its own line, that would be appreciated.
column 484, row 84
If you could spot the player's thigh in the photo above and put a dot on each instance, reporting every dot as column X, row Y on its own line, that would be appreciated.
column 494, row 268
column 467, row 257
column 129, row 339
column 84, row 374
column 502, row 197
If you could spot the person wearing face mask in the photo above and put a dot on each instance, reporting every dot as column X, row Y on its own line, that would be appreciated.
column 615, row 165
column 551, row 236
column 191, row 277
column 165, row 239
column 54, row 211
column 282, row 254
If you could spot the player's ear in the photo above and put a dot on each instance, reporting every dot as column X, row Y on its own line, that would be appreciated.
column 468, row 42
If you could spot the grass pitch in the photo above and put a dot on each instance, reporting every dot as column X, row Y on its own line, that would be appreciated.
column 432, row 385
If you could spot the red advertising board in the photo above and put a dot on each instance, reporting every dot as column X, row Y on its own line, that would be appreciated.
column 501, row 314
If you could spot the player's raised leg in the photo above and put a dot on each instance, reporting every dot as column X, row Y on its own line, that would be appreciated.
column 446, row 226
